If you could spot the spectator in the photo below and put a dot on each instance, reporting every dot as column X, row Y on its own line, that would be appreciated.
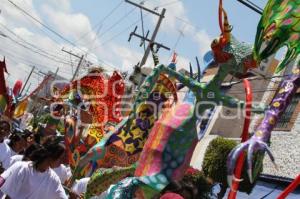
column 35, row 178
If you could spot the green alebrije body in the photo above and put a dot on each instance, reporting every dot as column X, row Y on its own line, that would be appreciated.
column 241, row 52
column 209, row 92
column 104, row 177
column 279, row 26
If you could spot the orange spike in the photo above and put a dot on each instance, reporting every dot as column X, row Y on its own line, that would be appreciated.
column 226, row 27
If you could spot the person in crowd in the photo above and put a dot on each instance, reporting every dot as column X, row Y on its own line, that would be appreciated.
column 10, row 147
column 35, row 179
column 4, row 133
column 29, row 137
column 80, row 186
column 4, row 130
column 63, row 171
column 26, row 156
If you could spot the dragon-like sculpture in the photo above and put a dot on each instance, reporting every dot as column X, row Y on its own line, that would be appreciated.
column 279, row 26
column 168, row 150
column 94, row 100
column 122, row 147
column 261, row 137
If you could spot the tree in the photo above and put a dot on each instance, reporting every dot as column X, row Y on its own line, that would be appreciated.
column 214, row 165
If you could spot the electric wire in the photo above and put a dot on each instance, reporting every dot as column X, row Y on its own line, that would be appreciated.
column 101, row 21
column 13, row 57
column 42, row 24
column 35, row 51
column 50, row 29
column 42, row 51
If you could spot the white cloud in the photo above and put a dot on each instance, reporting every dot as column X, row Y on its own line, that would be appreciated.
column 170, row 22
column 23, row 32
column 203, row 40
column 68, row 24
column 62, row 5
column 15, row 16
column 182, row 63
column 72, row 25
column 127, row 56
column 177, row 19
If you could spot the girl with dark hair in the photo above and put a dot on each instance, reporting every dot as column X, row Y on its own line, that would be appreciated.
column 63, row 172
column 35, row 179
column 16, row 142
column 10, row 147
column 26, row 156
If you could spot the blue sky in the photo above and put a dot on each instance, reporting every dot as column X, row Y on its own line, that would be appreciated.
column 74, row 18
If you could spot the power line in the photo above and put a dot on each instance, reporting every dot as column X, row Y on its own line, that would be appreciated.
column 13, row 57
column 51, row 30
column 101, row 21
column 252, row 6
column 34, row 46
column 118, row 34
column 35, row 51
column 168, row 4
column 44, row 25
column 116, row 23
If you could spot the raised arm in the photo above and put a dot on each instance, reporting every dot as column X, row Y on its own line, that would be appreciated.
column 150, row 81
column 233, row 102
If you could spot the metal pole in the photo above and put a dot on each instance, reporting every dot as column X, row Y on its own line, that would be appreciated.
column 55, row 74
column 28, row 88
column 27, row 79
column 77, row 69
column 161, row 16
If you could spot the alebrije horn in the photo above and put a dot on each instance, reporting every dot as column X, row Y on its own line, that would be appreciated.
column 199, row 69
column 191, row 70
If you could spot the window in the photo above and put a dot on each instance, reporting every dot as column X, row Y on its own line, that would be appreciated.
column 286, row 117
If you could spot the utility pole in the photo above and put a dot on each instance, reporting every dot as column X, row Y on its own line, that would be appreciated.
column 77, row 68
column 143, row 38
column 27, row 88
column 79, row 63
column 55, row 74
column 27, row 79
column 152, row 39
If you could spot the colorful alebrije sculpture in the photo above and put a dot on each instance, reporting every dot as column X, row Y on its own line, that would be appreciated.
column 123, row 146
column 229, row 51
column 261, row 137
column 103, row 178
column 102, row 99
column 279, row 26
column 168, row 150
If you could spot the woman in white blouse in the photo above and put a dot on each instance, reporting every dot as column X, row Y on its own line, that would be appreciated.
column 35, row 179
